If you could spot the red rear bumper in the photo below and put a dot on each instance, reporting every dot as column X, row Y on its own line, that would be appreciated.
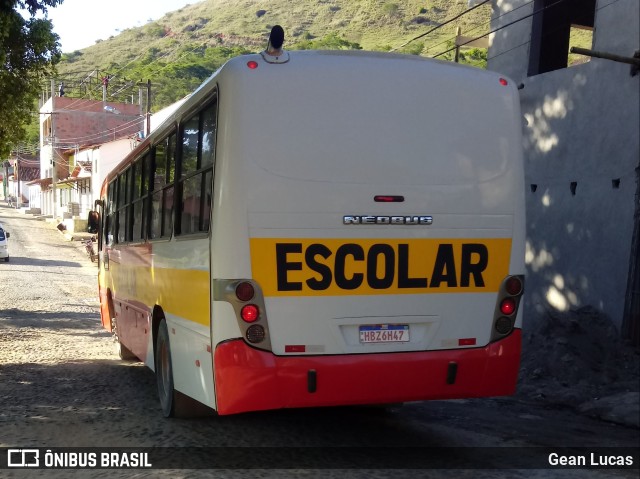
column 250, row 380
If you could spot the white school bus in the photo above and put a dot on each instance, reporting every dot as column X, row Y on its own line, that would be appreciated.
column 322, row 228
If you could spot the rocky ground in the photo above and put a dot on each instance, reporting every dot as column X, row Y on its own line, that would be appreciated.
column 577, row 359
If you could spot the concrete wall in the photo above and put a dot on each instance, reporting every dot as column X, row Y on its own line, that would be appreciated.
column 581, row 126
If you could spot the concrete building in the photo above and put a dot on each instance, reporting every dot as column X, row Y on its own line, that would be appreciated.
column 581, row 140
column 17, row 172
column 68, row 126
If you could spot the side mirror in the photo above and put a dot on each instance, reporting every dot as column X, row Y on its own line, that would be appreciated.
column 8, row 235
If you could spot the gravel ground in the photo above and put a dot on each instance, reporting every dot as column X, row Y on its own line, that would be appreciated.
column 578, row 360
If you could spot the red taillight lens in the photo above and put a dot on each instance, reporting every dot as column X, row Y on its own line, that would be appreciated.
column 244, row 291
column 250, row 313
column 513, row 286
column 508, row 306
column 252, row 65
column 503, row 82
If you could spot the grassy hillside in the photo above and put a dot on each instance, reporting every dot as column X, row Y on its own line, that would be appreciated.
column 180, row 50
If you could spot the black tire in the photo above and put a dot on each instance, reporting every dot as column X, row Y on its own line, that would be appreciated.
column 164, row 372
column 6, row 260
column 173, row 403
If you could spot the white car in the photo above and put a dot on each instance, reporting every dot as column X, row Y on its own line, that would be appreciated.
column 4, row 244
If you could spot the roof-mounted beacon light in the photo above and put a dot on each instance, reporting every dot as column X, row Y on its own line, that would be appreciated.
column 274, row 53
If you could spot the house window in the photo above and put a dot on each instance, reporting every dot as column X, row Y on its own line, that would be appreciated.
column 557, row 27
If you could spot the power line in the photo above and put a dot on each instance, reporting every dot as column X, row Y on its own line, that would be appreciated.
column 440, row 26
column 514, row 22
column 104, row 133
column 502, row 27
column 479, row 25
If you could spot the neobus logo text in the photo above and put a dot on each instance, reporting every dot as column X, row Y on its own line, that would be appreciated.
column 388, row 220
column 375, row 266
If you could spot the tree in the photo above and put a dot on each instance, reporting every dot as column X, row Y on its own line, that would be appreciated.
column 29, row 51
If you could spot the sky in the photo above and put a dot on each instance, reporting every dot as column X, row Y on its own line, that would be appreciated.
column 79, row 23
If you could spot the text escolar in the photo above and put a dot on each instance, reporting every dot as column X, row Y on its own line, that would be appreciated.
column 379, row 266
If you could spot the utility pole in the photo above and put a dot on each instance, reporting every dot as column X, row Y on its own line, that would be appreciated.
column 148, row 107
column 142, row 127
column 146, row 85
column 16, row 175
column 54, row 174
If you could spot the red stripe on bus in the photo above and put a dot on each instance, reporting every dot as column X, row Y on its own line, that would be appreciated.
column 250, row 380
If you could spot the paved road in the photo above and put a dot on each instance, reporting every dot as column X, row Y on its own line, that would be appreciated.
column 62, row 386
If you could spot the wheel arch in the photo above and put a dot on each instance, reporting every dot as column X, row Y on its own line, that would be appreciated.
column 109, row 310
column 157, row 315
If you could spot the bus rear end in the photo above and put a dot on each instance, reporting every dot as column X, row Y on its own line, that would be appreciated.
column 375, row 207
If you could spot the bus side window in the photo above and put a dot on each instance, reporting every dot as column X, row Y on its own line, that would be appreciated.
column 111, row 212
column 122, row 216
column 196, row 171
column 208, row 198
column 161, row 183
column 140, row 193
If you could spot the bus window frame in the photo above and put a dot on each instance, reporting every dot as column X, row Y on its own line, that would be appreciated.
column 169, row 141
column 141, row 166
column 203, row 173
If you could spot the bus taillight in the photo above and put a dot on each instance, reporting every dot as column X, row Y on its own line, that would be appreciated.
column 507, row 305
column 503, row 325
column 255, row 334
column 250, row 313
column 247, row 299
column 513, row 285
column 244, row 291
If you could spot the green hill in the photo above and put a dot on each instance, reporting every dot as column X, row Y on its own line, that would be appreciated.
column 180, row 50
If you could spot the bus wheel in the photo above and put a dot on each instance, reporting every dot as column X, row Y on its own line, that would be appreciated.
column 171, row 400
column 173, row 403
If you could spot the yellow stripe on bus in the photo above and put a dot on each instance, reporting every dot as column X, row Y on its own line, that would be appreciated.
column 181, row 292
column 336, row 267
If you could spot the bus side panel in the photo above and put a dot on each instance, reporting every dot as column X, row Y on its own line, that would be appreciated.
column 191, row 358
column 249, row 380
column 178, row 282
column 127, row 267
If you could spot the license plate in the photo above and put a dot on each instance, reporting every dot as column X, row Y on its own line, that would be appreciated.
column 384, row 333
